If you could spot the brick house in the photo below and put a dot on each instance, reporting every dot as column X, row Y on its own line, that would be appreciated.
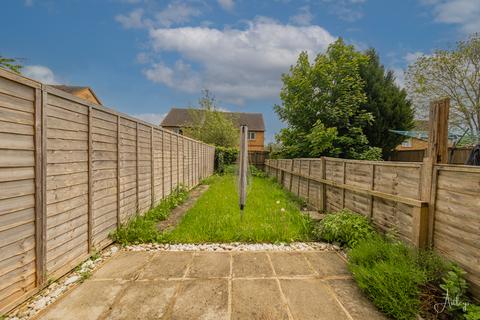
column 178, row 118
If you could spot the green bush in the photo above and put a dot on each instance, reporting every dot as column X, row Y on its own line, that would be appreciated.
column 224, row 157
column 143, row 228
column 255, row 172
column 345, row 227
column 388, row 273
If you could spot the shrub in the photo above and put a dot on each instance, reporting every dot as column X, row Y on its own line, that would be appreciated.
column 345, row 227
column 224, row 157
column 255, row 172
column 388, row 273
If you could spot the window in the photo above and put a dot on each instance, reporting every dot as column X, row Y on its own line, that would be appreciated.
column 252, row 135
column 407, row 143
column 177, row 130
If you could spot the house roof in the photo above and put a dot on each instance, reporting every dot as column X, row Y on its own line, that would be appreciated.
column 75, row 90
column 179, row 117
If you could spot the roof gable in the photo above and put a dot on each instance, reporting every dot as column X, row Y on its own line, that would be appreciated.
column 81, row 92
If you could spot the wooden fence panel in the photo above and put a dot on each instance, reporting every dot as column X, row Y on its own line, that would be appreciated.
column 18, row 115
column 67, row 187
column 144, row 168
column 158, row 165
column 167, row 163
column 128, row 169
column 70, row 173
column 104, row 175
column 456, row 232
column 389, row 194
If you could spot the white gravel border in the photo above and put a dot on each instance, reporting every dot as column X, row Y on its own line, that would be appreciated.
column 236, row 246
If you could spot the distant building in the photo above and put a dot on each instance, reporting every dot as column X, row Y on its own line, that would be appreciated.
column 80, row 92
column 179, row 118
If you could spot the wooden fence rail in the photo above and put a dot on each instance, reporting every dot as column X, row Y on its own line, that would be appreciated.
column 71, row 172
column 394, row 196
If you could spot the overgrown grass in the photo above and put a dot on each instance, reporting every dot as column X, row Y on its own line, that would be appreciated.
column 402, row 281
column 345, row 227
column 271, row 215
column 143, row 228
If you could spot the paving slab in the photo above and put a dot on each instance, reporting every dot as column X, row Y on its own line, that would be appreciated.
column 201, row 299
column 327, row 263
column 251, row 264
column 310, row 299
column 210, row 265
column 165, row 265
column 257, row 299
column 217, row 285
column 90, row 300
column 290, row 264
column 143, row 300
column 354, row 301
column 125, row 265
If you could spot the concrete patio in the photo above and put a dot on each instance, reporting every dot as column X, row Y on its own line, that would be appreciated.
column 217, row 285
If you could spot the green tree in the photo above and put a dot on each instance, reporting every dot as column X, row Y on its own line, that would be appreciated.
column 387, row 103
column 211, row 125
column 10, row 64
column 450, row 73
column 321, row 104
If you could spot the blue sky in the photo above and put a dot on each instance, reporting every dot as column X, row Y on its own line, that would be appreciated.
column 144, row 56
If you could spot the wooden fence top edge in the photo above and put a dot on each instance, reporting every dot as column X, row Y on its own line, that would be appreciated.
column 10, row 75
column 458, row 168
column 377, row 163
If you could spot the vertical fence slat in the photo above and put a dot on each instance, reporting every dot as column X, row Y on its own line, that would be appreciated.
column 152, row 171
column 136, row 167
column 90, row 182
column 40, row 212
column 119, row 222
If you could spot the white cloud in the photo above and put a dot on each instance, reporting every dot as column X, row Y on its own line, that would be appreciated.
column 303, row 18
column 40, row 73
column 153, row 118
column 464, row 13
column 227, row 4
column 174, row 13
column 133, row 20
column 236, row 64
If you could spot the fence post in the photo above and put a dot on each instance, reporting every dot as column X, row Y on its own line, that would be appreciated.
column 372, row 187
column 152, row 171
column 40, row 186
column 344, row 180
column 308, row 180
column 291, row 176
column 323, row 188
column 136, row 166
column 118, row 172
column 163, row 164
column 90, row 182
column 437, row 152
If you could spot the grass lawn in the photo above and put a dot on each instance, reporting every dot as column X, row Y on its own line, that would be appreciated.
column 271, row 215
